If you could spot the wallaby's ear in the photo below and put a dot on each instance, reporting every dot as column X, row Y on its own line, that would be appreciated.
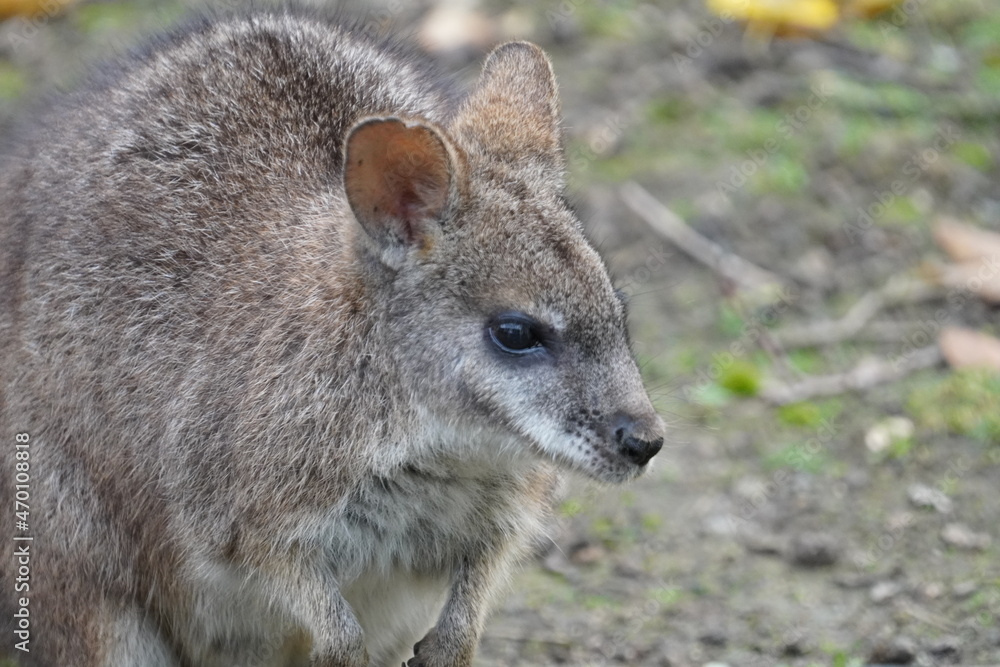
column 399, row 177
column 513, row 113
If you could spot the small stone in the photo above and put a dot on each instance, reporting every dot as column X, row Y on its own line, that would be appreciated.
column 961, row 536
column 751, row 488
column 896, row 651
column 933, row 590
column 723, row 525
column 927, row 497
column 884, row 590
column 813, row 550
column 883, row 434
column 814, row 267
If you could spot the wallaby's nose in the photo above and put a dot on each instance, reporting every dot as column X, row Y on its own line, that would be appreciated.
column 633, row 442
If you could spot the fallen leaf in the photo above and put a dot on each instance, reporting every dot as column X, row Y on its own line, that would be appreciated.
column 868, row 8
column 965, row 243
column 965, row 348
column 982, row 278
column 927, row 497
column 770, row 17
column 32, row 8
column 962, row 537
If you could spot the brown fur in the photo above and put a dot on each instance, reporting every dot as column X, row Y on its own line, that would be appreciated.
column 267, row 418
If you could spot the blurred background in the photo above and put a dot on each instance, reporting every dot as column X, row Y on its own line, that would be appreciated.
column 801, row 198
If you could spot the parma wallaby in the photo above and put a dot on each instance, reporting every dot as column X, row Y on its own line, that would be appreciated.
column 300, row 342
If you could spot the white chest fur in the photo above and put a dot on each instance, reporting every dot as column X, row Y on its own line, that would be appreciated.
column 395, row 610
column 397, row 542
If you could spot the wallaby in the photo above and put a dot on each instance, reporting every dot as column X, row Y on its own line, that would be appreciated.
column 299, row 342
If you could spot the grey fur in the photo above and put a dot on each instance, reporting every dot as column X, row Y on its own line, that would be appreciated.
column 261, row 432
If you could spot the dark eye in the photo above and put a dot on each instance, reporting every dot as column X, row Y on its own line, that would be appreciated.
column 515, row 334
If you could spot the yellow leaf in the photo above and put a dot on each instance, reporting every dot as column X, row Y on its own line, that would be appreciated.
column 779, row 16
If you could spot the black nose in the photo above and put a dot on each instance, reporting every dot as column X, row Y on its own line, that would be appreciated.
column 634, row 447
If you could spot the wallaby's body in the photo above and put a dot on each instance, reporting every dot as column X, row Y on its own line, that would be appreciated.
column 300, row 341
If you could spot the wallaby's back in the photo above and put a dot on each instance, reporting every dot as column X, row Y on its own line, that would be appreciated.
column 165, row 231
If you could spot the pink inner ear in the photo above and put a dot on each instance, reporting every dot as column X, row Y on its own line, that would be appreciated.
column 410, row 210
column 396, row 177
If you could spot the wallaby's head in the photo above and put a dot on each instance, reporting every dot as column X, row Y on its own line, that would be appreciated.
column 500, row 314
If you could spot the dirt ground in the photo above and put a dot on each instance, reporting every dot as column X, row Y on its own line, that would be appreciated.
column 763, row 535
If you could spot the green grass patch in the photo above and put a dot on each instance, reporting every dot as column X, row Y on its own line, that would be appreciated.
column 108, row 17
column 966, row 402
column 741, row 378
column 12, row 86
column 902, row 210
column 780, row 175
column 975, row 155
column 805, row 415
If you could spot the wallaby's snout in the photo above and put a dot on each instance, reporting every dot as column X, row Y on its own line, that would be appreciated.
column 638, row 438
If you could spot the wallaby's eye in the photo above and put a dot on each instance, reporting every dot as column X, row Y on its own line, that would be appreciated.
column 515, row 334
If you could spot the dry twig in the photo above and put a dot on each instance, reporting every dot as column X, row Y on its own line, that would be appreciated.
column 830, row 332
column 670, row 226
column 869, row 373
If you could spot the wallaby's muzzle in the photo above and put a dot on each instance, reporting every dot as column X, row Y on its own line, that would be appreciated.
column 637, row 440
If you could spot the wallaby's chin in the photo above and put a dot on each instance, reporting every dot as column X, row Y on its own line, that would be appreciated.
column 606, row 465
column 599, row 461
column 617, row 455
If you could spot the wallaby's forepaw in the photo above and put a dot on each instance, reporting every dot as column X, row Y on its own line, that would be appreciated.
column 418, row 656
column 432, row 652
